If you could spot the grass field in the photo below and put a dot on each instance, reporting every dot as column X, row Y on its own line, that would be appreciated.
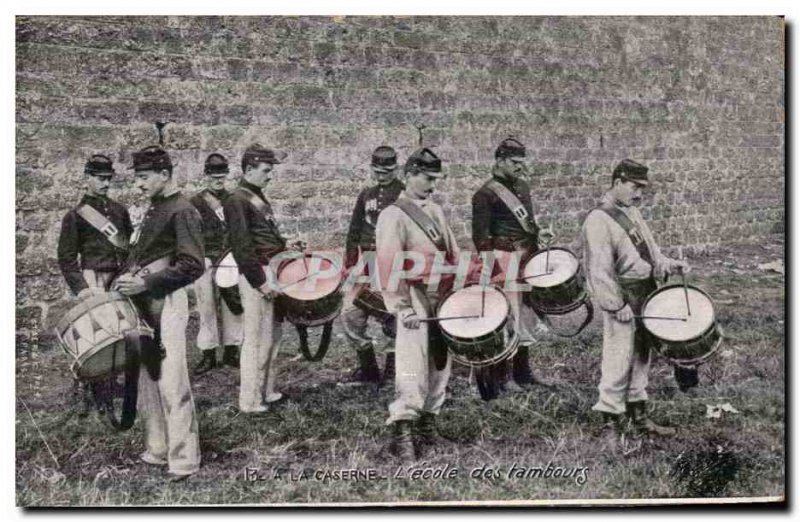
column 326, row 427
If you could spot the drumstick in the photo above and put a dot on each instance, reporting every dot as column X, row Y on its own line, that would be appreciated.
column 685, row 288
column 684, row 319
column 299, row 280
column 535, row 275
column 483, row 300
column 433, row 319
column 547, row 259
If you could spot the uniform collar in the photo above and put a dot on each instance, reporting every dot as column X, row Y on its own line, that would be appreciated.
column 396, row 184
column 165, row 197
column 252, row 188
column 503, row 180
column 419, row 202
column 219, row 194
column 91, row 198
column 610, row 200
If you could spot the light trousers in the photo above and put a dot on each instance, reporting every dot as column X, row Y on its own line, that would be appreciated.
column 211, row 306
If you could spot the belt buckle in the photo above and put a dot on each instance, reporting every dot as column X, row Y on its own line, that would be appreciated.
column 433, row 233
column 520, row 212
column 109, row 230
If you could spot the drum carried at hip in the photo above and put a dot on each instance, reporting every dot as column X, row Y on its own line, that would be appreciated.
column 477, row 324
column 310, row 294
column 557, row 286
column 102, row 335
column 371, row 302
column 681, row 319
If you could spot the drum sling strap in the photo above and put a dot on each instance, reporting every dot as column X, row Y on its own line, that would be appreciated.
column 214, row 204
column 513, row 203
column 104, row 391
column 631, row 230
column 436, row 343
column 103, row 225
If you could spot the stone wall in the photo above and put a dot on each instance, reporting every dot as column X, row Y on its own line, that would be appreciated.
column 699, row 100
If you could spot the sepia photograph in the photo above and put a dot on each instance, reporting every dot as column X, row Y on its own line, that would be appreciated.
column 365, row 261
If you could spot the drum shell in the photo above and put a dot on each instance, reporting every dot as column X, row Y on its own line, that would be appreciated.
column 93, row 334
column 311, row 313
column 216, row 266
column 489, row 348
column 372, row 303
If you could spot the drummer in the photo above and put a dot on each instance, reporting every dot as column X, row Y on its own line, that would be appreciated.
column 360, row 239
column 166, row 256
column 211, row 302
column 622, row 262
column 255, row 239
column 423, row 368
column 497, row 228
column 93, row 243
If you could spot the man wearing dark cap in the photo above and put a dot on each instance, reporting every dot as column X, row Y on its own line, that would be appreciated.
column 622, row 263
column 360, row 239
column 166, row 256
column 415, row 225
column 93, row 244
column 255, row 239
column 211, row 303
column 503, row 223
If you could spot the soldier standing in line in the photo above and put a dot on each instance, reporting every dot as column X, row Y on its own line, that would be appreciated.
column 414, row 223
column 255, row 240
column 503, row 222
column 622, row 263
column 360, row 239
column 213, row 302
column 93, row 243
column 166, row 256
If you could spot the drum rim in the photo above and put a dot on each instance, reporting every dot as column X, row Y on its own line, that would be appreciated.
column 717, row 343
column 681, row 286
column 507, row 353
column 451, row 292
column 86, row 306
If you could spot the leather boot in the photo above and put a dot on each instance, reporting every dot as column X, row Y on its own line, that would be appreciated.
column 388, row 369
column 403, row 442
column 486, row 380
column 230, row 357
column 612, row 429
column 368, row 370
column 523, row 373
column 207, row 363
column 637, row 411
column 427, row 433
column 686, row 378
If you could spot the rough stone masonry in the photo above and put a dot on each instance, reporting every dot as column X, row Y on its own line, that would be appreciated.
column 699, row 99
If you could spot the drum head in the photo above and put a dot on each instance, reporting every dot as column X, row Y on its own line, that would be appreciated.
column 561, row 264
column 226, row 272
column 467, row 301
column 671, row 302
column 300, row 279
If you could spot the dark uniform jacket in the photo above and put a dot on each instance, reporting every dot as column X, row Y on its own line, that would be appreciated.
column 79, row 239
column 172, row 228
column 253, row 234
column 371, row 201
column 215, row 231
column 493, row 224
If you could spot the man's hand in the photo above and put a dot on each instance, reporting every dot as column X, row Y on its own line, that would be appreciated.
column 128, row 284
column 625, row 315
column 411, row 321
column 547, row 235
column 266, row 292
column 298, row 246
column 678, row 266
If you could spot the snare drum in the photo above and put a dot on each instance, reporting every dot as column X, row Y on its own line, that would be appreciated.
column 93, row 334
column 556, row 282
column 306, row 299
column 478, row 341
column 684, row 342
column 226, row 271
column 371, row 302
